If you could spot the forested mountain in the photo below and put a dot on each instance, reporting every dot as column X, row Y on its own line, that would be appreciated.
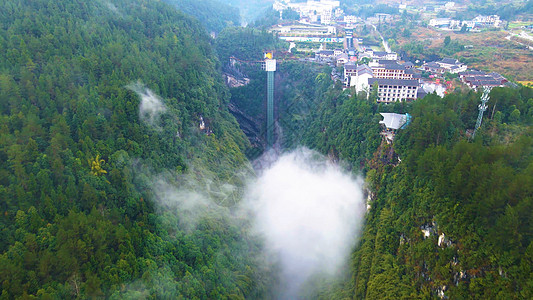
column 449, row 215
column 454, row 217
column 215, row 15
column 79, row 216
column 114, row 114
column 246, row 43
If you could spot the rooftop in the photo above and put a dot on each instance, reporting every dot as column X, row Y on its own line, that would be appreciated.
column 350, row 66
column 400, row 82
column 394, row 121
column 432, row 65
column 380, row 53
column 450, row 61
column 387, row 61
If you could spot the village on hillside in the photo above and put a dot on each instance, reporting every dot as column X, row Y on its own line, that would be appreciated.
column 363, row 59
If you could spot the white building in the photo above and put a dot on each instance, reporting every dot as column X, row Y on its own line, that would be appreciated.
column 357, row 76
column 452, row 65
column 392, row 86
column 314, row 10
column 391, row 69
column 487, row 21
column 351, row 19
column 440, row 22
column 342, row 59
column 393, row 121
column 394, row 90
column 382, row 55
column 325, row 17
column 449, row 5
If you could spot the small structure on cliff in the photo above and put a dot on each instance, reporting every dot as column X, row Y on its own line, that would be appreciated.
column 393, row 122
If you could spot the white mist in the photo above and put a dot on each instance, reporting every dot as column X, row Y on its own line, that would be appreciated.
column 310, row 212
column 151, row 106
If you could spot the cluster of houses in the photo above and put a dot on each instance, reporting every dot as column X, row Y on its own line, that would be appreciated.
column 476, row 23
column 324, row 12
column 320, row 11
column 396, row 80
column 475, row 79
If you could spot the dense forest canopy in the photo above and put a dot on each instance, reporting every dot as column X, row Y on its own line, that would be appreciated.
column 474, row 198
column 79, row 216
column 114, row 116
column 213, row 14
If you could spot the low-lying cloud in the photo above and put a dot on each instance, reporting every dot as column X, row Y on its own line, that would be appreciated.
column 307, row 210
column 310, row 212
column 151, row 106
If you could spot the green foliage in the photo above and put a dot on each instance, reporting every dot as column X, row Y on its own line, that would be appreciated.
column 447, row 40
column 65, row 109
column 289, row 14
column 246, row 43
column 345, row 127
column 213, row 14
column 477, row 193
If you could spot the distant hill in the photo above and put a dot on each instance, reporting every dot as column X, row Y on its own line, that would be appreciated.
column 214, row 15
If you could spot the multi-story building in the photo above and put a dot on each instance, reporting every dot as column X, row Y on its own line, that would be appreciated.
column 391, row 69
column 394, row 90
column 445, row 23
column 322, row 10
column 342, row 59
column 326, row 16
column 487, row 21
column 394, row 82
column 350, row 19
column 351, row 70
column 357, row 76
column 349, row 38
column 440, row 22
column 381, row 55
column 387, row 69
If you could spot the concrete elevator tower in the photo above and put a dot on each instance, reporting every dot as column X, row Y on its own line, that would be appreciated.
column 270, row 68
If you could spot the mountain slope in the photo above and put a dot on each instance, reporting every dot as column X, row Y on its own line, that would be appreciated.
column 214, row 15
column 93, row 94
column 453, row 218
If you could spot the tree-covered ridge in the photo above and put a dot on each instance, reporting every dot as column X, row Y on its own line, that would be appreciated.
column 78, row 215
column 473, row 198
column 344, row 127
column 246, row 43
column 213, row 14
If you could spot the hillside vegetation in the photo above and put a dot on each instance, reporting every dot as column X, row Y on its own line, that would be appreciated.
column 473, row 197
column 79, row 209
column 214, row 15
